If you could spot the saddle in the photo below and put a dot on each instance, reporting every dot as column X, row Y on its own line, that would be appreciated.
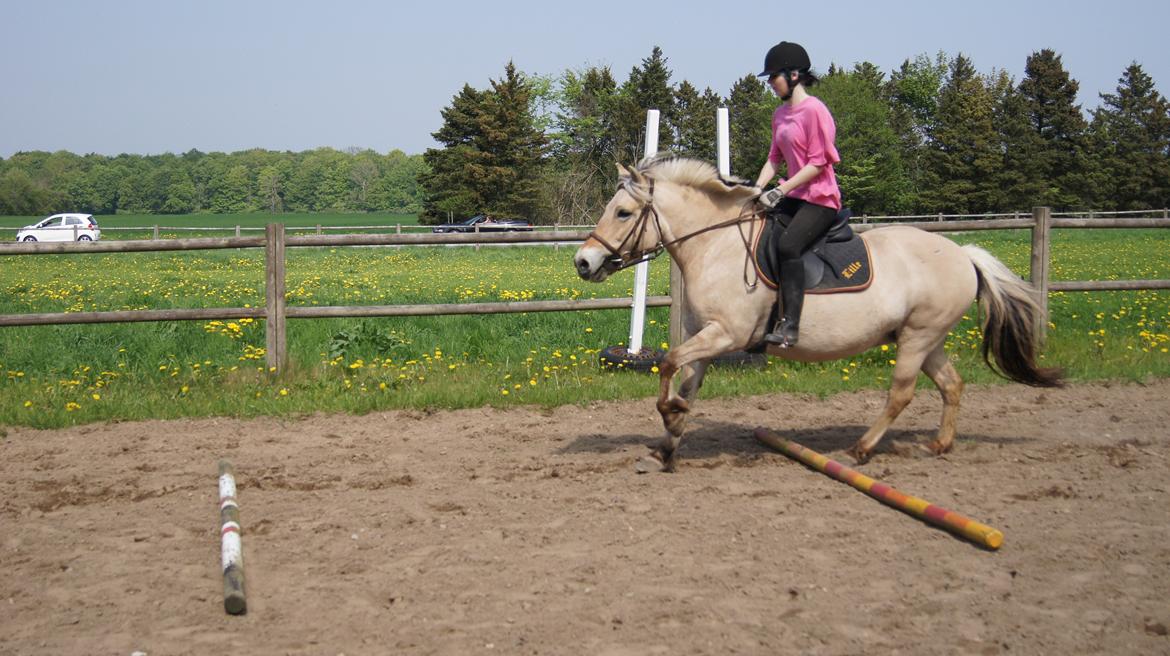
column 837, row 262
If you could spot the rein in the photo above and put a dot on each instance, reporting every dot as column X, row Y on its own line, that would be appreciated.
column 632, row 257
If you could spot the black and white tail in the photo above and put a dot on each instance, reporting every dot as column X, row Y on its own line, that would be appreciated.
column 1011, row 316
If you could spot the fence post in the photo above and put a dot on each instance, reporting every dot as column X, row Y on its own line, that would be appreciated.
column 237, row 231
column 156, row 231
column 556, row 245
column 274, row 323
column 1041, row 244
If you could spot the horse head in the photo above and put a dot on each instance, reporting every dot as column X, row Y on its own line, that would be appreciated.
column 642, row 219
column 624, row 234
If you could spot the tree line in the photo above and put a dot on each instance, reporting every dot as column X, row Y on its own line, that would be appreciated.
column 322, row 180
column 933, row 136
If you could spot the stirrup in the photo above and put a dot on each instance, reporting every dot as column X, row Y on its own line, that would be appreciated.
column 784, row 335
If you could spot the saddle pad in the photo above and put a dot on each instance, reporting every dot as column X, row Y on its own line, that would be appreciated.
column 829, row 268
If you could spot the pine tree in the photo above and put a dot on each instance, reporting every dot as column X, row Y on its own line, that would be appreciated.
column 749, row 107
column 1022, row 179
column 964, row 155
column 694, row 120
column 492, row 157
column 1131, row 143
column 1058, row 123
column 648, row 87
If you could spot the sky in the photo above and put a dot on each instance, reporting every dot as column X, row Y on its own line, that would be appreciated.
column 151, row 76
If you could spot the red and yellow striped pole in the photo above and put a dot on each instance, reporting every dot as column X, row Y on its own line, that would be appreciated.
column 960, row 525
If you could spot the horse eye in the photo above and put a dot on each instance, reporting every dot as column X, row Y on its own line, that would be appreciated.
column 624, row 214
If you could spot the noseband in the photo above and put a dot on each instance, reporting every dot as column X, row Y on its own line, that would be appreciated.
column 621, row 260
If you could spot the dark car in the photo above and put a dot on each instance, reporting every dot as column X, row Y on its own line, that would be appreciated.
column 484, row 223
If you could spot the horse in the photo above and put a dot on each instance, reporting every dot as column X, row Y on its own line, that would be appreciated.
column 922, row 284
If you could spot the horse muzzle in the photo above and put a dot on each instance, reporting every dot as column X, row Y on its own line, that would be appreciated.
column 594, row 264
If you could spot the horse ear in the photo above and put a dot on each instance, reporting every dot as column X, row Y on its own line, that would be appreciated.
column 636, row 176
column 623, row 172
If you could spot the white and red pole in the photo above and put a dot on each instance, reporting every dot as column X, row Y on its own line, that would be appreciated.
column 231, row 547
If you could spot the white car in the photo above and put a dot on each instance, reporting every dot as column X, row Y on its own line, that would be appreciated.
column 62, row 227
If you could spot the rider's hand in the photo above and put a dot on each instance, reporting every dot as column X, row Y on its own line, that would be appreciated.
column 771, row 198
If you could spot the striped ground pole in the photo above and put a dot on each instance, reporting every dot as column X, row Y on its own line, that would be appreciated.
column 231, row 549
column 960, row 525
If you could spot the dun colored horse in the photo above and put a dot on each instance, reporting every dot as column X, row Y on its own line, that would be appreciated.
column 922, row 285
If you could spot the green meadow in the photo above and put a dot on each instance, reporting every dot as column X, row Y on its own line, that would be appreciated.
column 53, row 376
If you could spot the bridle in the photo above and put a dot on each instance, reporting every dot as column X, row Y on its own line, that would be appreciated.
column 622, row 257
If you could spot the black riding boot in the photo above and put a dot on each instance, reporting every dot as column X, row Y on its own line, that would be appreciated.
column 791, row 297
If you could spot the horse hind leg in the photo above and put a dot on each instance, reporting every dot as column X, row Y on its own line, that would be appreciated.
column 940, row 370
column 910, row 360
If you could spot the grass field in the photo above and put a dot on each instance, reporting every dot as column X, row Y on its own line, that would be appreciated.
column 60, row 375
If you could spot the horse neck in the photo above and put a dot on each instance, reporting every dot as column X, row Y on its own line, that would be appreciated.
column 687, row 212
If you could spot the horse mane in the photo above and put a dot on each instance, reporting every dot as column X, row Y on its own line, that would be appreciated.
column 688, row 172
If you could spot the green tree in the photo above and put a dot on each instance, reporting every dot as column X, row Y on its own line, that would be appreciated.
column 19, row 196
column 492, row 158
column 964, row 157
column 1059, row 126
column 870, row 173
column 694, row 121
column 749, row 107
column 180, row 195
column 647, row 87
column 234, row 193
column 270, row 188
column 913, row 94
column 398, row 188
column 1023, row 181
column 1131, row 138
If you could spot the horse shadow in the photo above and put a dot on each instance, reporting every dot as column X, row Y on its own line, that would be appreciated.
column 708, row 439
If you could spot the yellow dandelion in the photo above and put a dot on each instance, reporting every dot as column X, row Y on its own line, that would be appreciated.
column 97, row 397
column 28, row 404
column 283, row 392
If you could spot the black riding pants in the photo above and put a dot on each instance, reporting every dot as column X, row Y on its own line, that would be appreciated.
column 806, row 223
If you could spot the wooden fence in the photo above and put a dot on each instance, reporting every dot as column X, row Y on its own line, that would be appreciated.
column 275, row 241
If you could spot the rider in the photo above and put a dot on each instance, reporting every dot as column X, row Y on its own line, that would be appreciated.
column 803, row 134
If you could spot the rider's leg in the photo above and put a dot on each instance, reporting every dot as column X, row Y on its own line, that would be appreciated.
column 808, row 223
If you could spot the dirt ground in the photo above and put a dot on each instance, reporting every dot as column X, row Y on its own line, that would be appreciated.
column 528, row 532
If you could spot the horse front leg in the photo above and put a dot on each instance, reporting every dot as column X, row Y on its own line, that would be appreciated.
column 690, row 358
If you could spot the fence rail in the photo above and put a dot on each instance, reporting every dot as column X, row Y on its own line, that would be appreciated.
column 275, row 241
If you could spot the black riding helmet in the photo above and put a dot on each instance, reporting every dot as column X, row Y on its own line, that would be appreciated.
column 785, row 56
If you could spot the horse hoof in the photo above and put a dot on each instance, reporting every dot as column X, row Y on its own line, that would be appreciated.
column 859, row 457
column 938, row 448
column 650, row 463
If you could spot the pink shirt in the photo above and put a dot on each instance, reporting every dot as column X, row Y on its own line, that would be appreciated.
column 805, row 134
